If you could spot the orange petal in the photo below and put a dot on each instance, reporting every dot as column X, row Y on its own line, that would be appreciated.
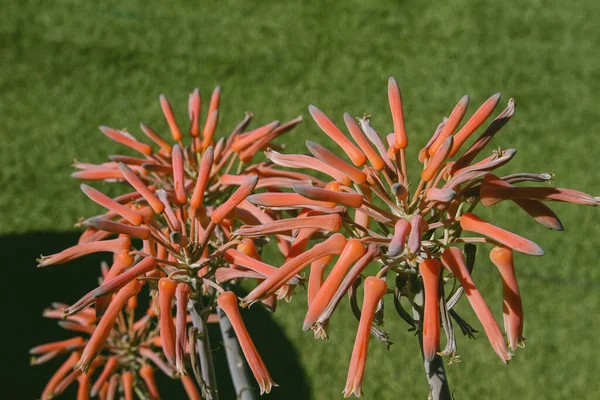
column 374, row 289
column 474, row 122
column 100, row 198
column 203, row 176
column 170, row 118
column 401, row 230
column 286, row 200
column 453, row 120
column 155, row 137
column 126, row 139
column 453, row 260
column 512, row 305
column 353, row 251
column 435, row 162
column 247, row 138
column 331, row 159
column 227, row 301
column 236, row 198
column 491, row 194
column 166, row 293
column 141, row 188
column 430, row 272
column 194, row 111
column 354, row 200
column 327, row 126
column 80, row 250
column 359, row 137
column 472, row 223
column 178, row 175
column 334, row 245
column 395, row 100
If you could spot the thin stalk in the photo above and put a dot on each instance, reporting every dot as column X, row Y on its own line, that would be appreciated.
column 435, row 370
column 242, row 382
column 204, row 352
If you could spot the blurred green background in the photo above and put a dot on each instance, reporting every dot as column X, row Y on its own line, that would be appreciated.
column 69, row 66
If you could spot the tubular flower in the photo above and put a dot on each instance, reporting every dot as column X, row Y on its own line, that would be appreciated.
column 227, row 301
column 512, row 306
column 374, row 290
column 407, row 227
column 125, row 350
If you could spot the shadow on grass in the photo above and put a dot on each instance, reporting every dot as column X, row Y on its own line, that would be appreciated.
column 27, row 290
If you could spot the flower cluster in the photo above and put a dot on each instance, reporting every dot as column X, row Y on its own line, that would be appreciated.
column 175, row 232
column 125, row 356
column 200, row 214
column 421, row 236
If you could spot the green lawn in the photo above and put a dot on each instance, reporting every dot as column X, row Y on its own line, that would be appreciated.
column 69, row 66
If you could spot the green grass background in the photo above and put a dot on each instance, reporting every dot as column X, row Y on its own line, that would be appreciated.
column 68, row 66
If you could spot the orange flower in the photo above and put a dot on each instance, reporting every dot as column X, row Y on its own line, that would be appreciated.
column 236, row 198
column 353, row 250
column 109, row 368
column 56, row 346
column 244, row 140
column 472, row 223
column 374, row 289
column 474, row 122
column 141, row 188
column 330, row 223
column 492, row 194
column 401, row 230
column 265, row 270
column 140, row 232
column 434, row 164
column 453, row 260
column 430, row 272
column 440, row 195
column 334, row 245
column 130, row 215
column 182, row 295
column 418, row 228
column 170, row 118
column 306, row 162
column 194, row 111
column 323, row 154
column 178, row 175
column 354, row 200
column 315, row 278
column 538, row 210
column 327, row 126
column 80, row 250
column 106, row 324
column 166, row 293
column 360, row 139
column 395, row 99
column 227, row 301
column 147, row 374
column 512, row 306
column 451, row 124
column 190, row 388
column 281, row 200
column 127, row 384
column 126, row 139
column 165, row 147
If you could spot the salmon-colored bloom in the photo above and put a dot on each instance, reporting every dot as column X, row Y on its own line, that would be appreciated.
column 492, row 194
column 330, row 223
column 306, row 162
column 395, row 99
column 334, row 245
column 170, row 118
column 315, row 193
column 430, row 272
column 353, row 152
column 321, row 153
column 401, row 230
column 538, row 210
column 282, row 200
column 182, row 295
column 375, row 288
column 353, row 250
column 127, row 140
column 418, row 228
column 244, row 140
column 178, row 175
column 166, row 293
column 240, row 194
column 474, row 122
column 472, row 223
column 147, row 374
column 435, row 162
column 140, row 232
column 512, row 305
column 130, row 215
column 453, row 260
column 80, row 250
column 360, row 139
column 141, row 188
column 450, row 126
column 227, row 301
column 107, row 371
